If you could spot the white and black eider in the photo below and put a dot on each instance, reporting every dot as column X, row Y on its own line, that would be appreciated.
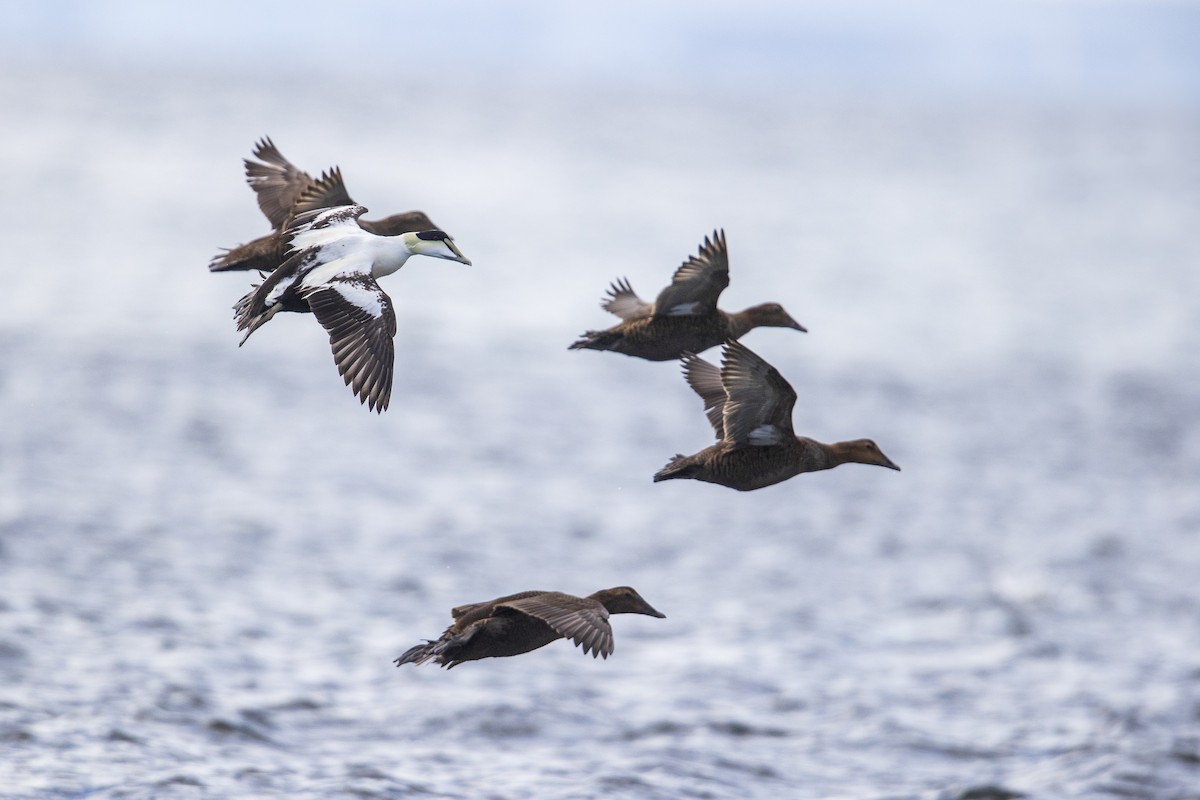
column 331, row 271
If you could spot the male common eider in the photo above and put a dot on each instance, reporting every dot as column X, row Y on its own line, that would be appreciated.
column 332, row 272
column 283, row 191
column 750, row 407
column 519, row 623
column 684, row 318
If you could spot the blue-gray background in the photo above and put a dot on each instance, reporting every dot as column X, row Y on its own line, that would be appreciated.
column 985, row 213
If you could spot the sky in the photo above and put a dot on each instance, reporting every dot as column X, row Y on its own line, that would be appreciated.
column 1051, row 49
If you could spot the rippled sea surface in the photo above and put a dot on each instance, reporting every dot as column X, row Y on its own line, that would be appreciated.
column 210, row 555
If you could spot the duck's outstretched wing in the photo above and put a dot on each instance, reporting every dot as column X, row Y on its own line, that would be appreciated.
column 361, row 323
column 758, row 408
column 705, row 380
column 311, row 230
column 622, row 301
column 325, row 192
column 582, row 620
column 277, row 182
column 699, row 281
column 484, row 608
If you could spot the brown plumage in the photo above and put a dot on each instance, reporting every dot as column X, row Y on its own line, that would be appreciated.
column 285, row 191
column 684, row 318
column 750, row 407
column 519, row 623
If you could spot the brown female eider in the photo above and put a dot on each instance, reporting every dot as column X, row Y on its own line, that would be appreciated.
column 684, row 318
column 750, row 407
column 523, row 622
column 284, row 191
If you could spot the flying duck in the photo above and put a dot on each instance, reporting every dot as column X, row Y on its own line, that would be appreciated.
column 684, row 318
column 750, row 407
column 522, row 622
column 332, row 272
column 283, row 191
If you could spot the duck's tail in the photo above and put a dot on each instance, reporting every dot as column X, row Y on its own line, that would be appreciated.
column 222, row 261
column 250, row 314
column 418, row 654
column 430, row 650
column 680, row 466
column 597, row 340
column 260, row 254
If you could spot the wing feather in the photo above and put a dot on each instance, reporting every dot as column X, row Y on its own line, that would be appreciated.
column 705, row 380
column 582, row 620
column 326, row 192
column 758, row 408
column 622, row 301
column 699, row 281
column 361, row 324
column 276, row 182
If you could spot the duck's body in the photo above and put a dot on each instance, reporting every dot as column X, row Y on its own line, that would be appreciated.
column 749, row 468
column 749, row 405
column 332, row 272
column 523, row 622
column 267, row 253
column 666, row 338
column 684, row 318
column 285, row 191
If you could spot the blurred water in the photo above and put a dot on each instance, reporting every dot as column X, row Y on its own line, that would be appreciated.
column 209, row 555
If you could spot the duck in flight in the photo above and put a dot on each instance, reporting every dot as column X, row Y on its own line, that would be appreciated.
column 684, row 318
column 285, row 191
column 332, row 271
column 749, row 405
column 520, row 623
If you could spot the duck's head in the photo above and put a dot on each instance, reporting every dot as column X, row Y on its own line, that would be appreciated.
column 769, row 315
column 434, row 243
column 865, row 451
column 625, row 600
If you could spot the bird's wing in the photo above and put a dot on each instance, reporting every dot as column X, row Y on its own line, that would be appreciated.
column 326, row 192
column 486, row 606
column 583, row 621
column 705, row 380
column 698, row 282
column 758, row 410
column 361, row 324
column 624, row 302
column 277, row 182
column 464, row 609
column 322, row 226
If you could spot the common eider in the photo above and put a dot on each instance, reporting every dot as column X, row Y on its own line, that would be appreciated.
column 284, row 191
column 332, row 272
column 520, row 623
column 750, row 407
column 684, row 318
